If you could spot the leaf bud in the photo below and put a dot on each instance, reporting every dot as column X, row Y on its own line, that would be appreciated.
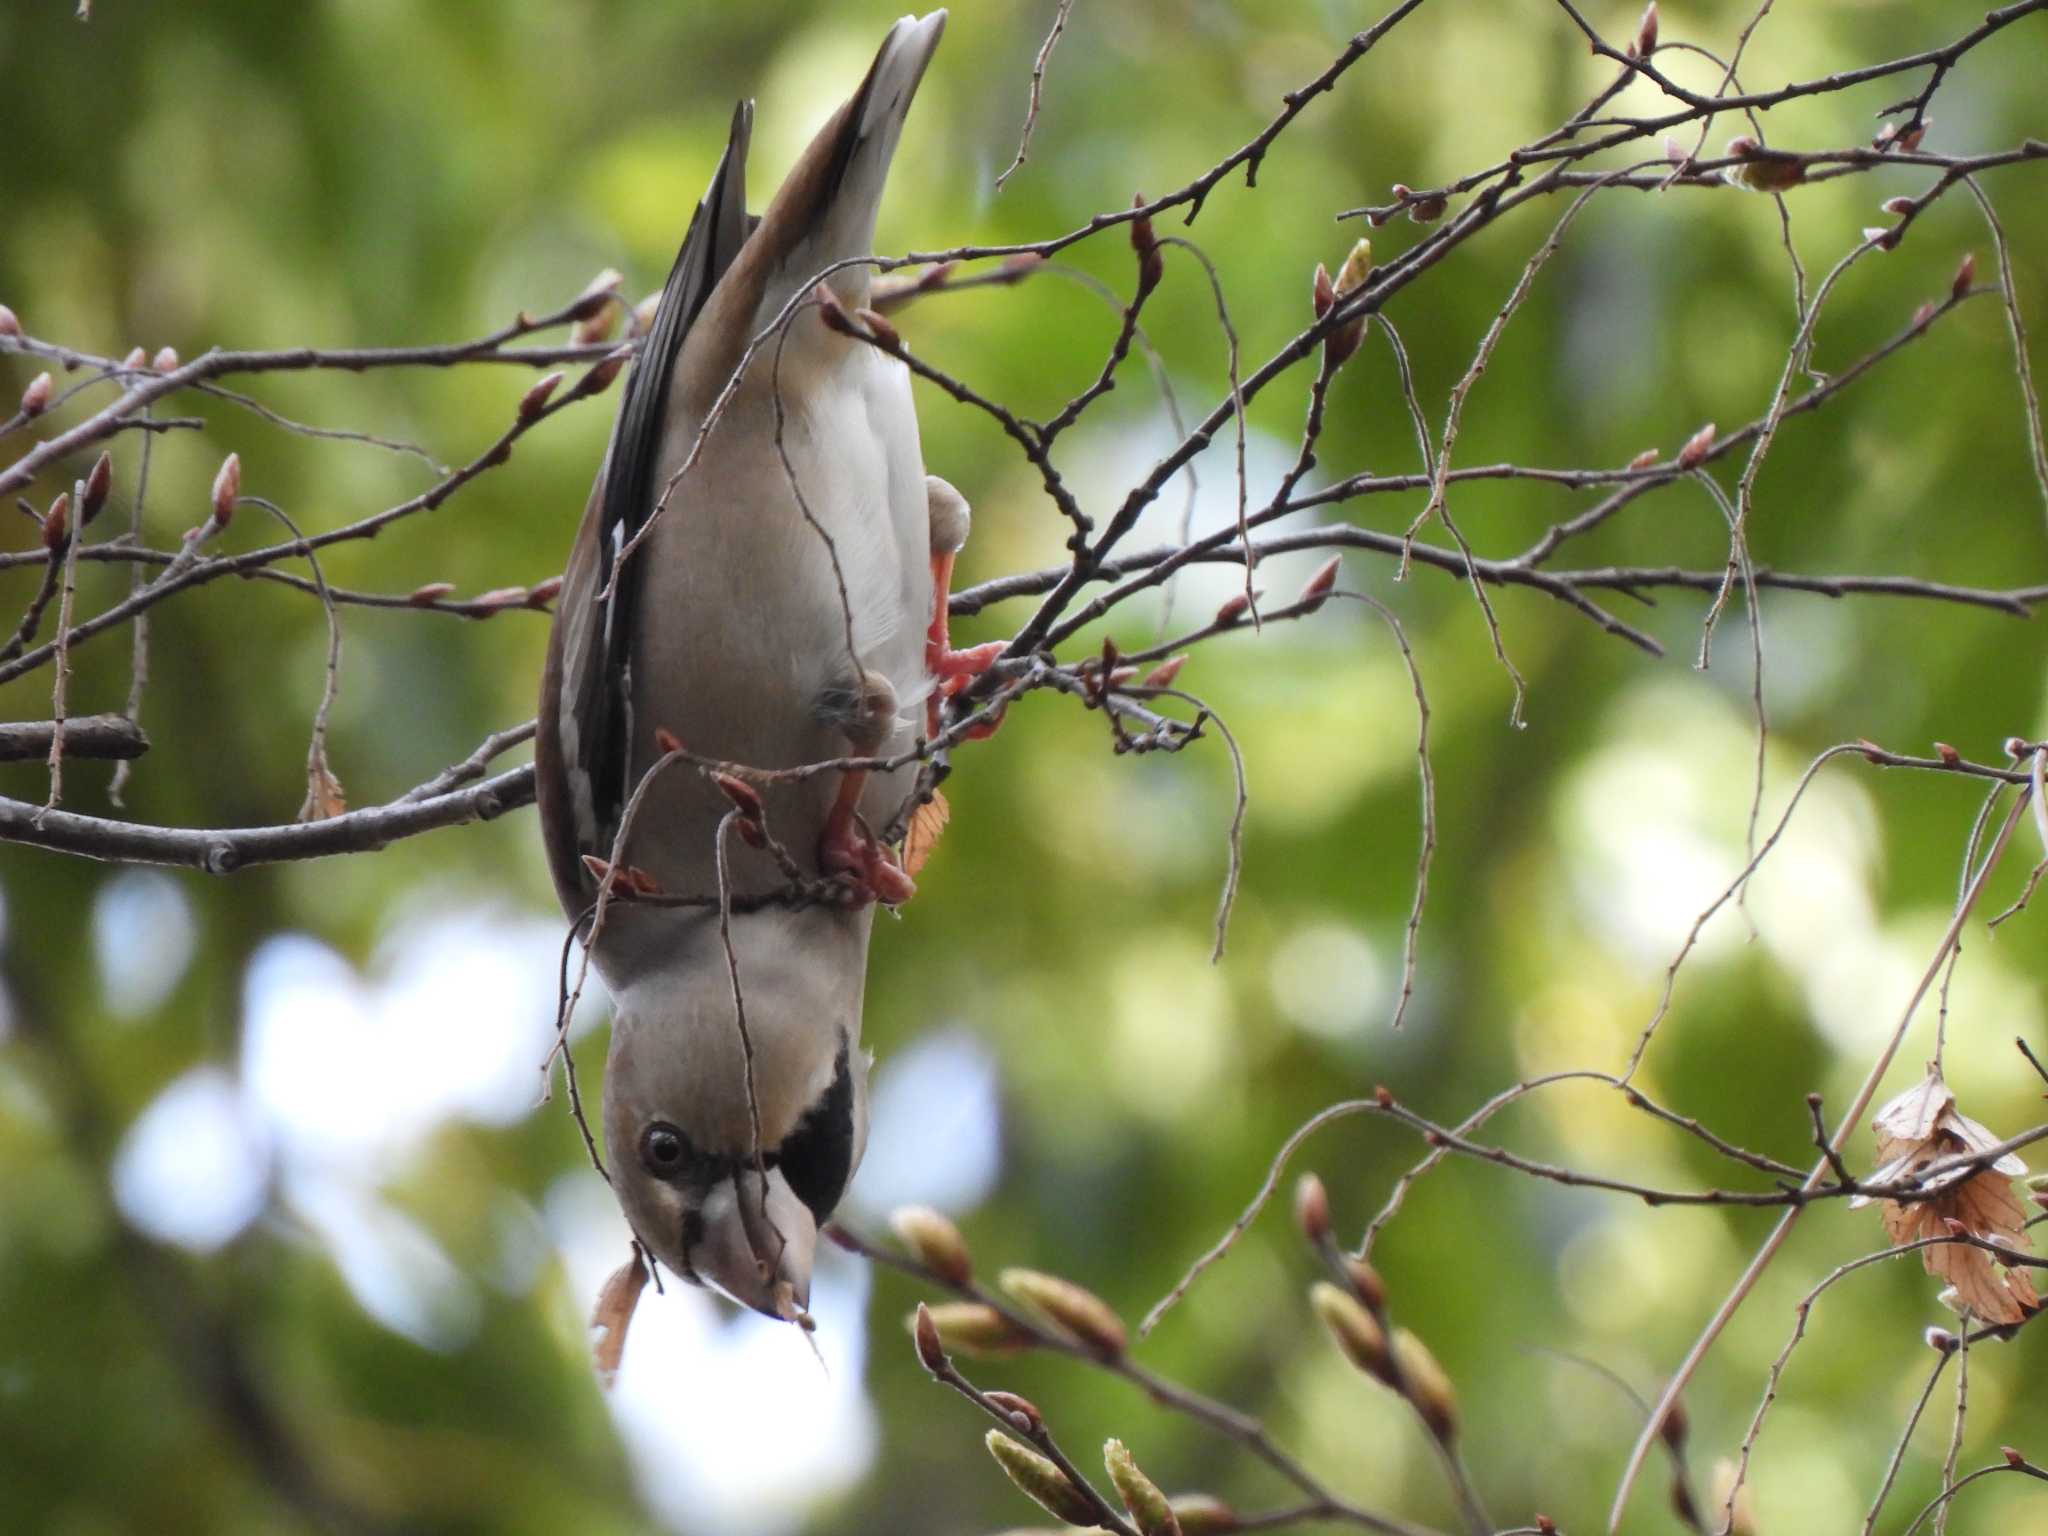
column 1151, row 265
column 1317, row 589
column 1644, row 459
column 1966, row 274
column 603, row 371
column 57, row 523
column 541, row 593
column 925, row 1333
column 643, row 316
column 431, row 593
column 1428, row 1388
column 1040, row 1479
column 9, row 325
column 934, row 1241
column 1079, row 1312
column 1366, row 1283
column 1162, row 676
column 1646, row 32
column 136, row 360
column 499, row 597
column 98, row 484
column 880, row 329
column 975, row 1328
column 1344, row 340
column 595, row 299
column 1203, row 1514
column 227, row 486
column 1150, row 1512
column 536, row 397
column 1021, row 1411
column 1232, row 609
column 744, row 797
column 36, row 398
column 1696, row 448
column 1356, row 1331
column 166, row 360
column 1312, row 1209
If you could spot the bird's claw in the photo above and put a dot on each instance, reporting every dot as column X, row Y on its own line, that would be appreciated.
column 853, row 853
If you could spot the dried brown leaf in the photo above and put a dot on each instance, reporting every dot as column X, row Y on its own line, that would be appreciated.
column 926, row 823
column 612, row 1315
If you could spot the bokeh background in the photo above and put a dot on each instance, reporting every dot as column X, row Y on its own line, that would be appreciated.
column 282, row 1131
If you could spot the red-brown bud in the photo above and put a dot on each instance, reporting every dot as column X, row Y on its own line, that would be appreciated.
column 1232, row 609
column 57, row 523
column 930, row 1351
column 431, row 593
column 36, row 398
column 1366, row 1283
column 1317, row 589
column 98, row 484
column 1696, row 448
column 667, row 741
column 9, row 325
column 879, row 328
column 1312, row 1209
column 1966, row 274
column 1322, row 293
column 1151, row 265
column 1909, row 141
column 1021, row 1411
column 1646, row 32
column 2012, row 1457
column 596, row 298
column 643, row 317
column 1162, row 676
column 603, row 371
column 541, row 593
column 498, row 598
column 536, row 397
column 744, row 797
column 227, row 486
column 1644, row 459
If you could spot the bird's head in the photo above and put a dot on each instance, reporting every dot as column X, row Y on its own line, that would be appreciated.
column 730, row 1152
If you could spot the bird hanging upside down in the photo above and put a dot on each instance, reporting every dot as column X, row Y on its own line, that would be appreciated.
column 785, row 606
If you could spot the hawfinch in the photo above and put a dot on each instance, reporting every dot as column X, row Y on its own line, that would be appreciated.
column 784, row 607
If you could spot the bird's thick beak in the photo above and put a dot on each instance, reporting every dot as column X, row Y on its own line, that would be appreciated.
column 758, row 1243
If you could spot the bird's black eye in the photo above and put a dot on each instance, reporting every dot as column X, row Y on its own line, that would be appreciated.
column 662, row 1149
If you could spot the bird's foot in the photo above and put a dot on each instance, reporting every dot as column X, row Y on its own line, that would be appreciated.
column 954, row 671
column 852, row 852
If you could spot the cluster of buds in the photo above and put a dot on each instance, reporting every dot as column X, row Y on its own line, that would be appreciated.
column 1354, row 1314
column 1324, row 295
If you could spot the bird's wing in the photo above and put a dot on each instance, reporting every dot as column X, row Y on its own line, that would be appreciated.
column 583, row 749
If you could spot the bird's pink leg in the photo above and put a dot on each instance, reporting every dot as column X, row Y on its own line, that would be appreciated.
column 849, row 848
column 952, row 670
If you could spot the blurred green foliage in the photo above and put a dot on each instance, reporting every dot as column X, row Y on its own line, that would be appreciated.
column 243, row 174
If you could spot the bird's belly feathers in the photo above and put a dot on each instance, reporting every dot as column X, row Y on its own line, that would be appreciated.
column 780, row 581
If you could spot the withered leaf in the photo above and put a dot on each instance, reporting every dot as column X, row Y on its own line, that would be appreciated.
column 612, row 1315
column 324, row 796
column 926, row 823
